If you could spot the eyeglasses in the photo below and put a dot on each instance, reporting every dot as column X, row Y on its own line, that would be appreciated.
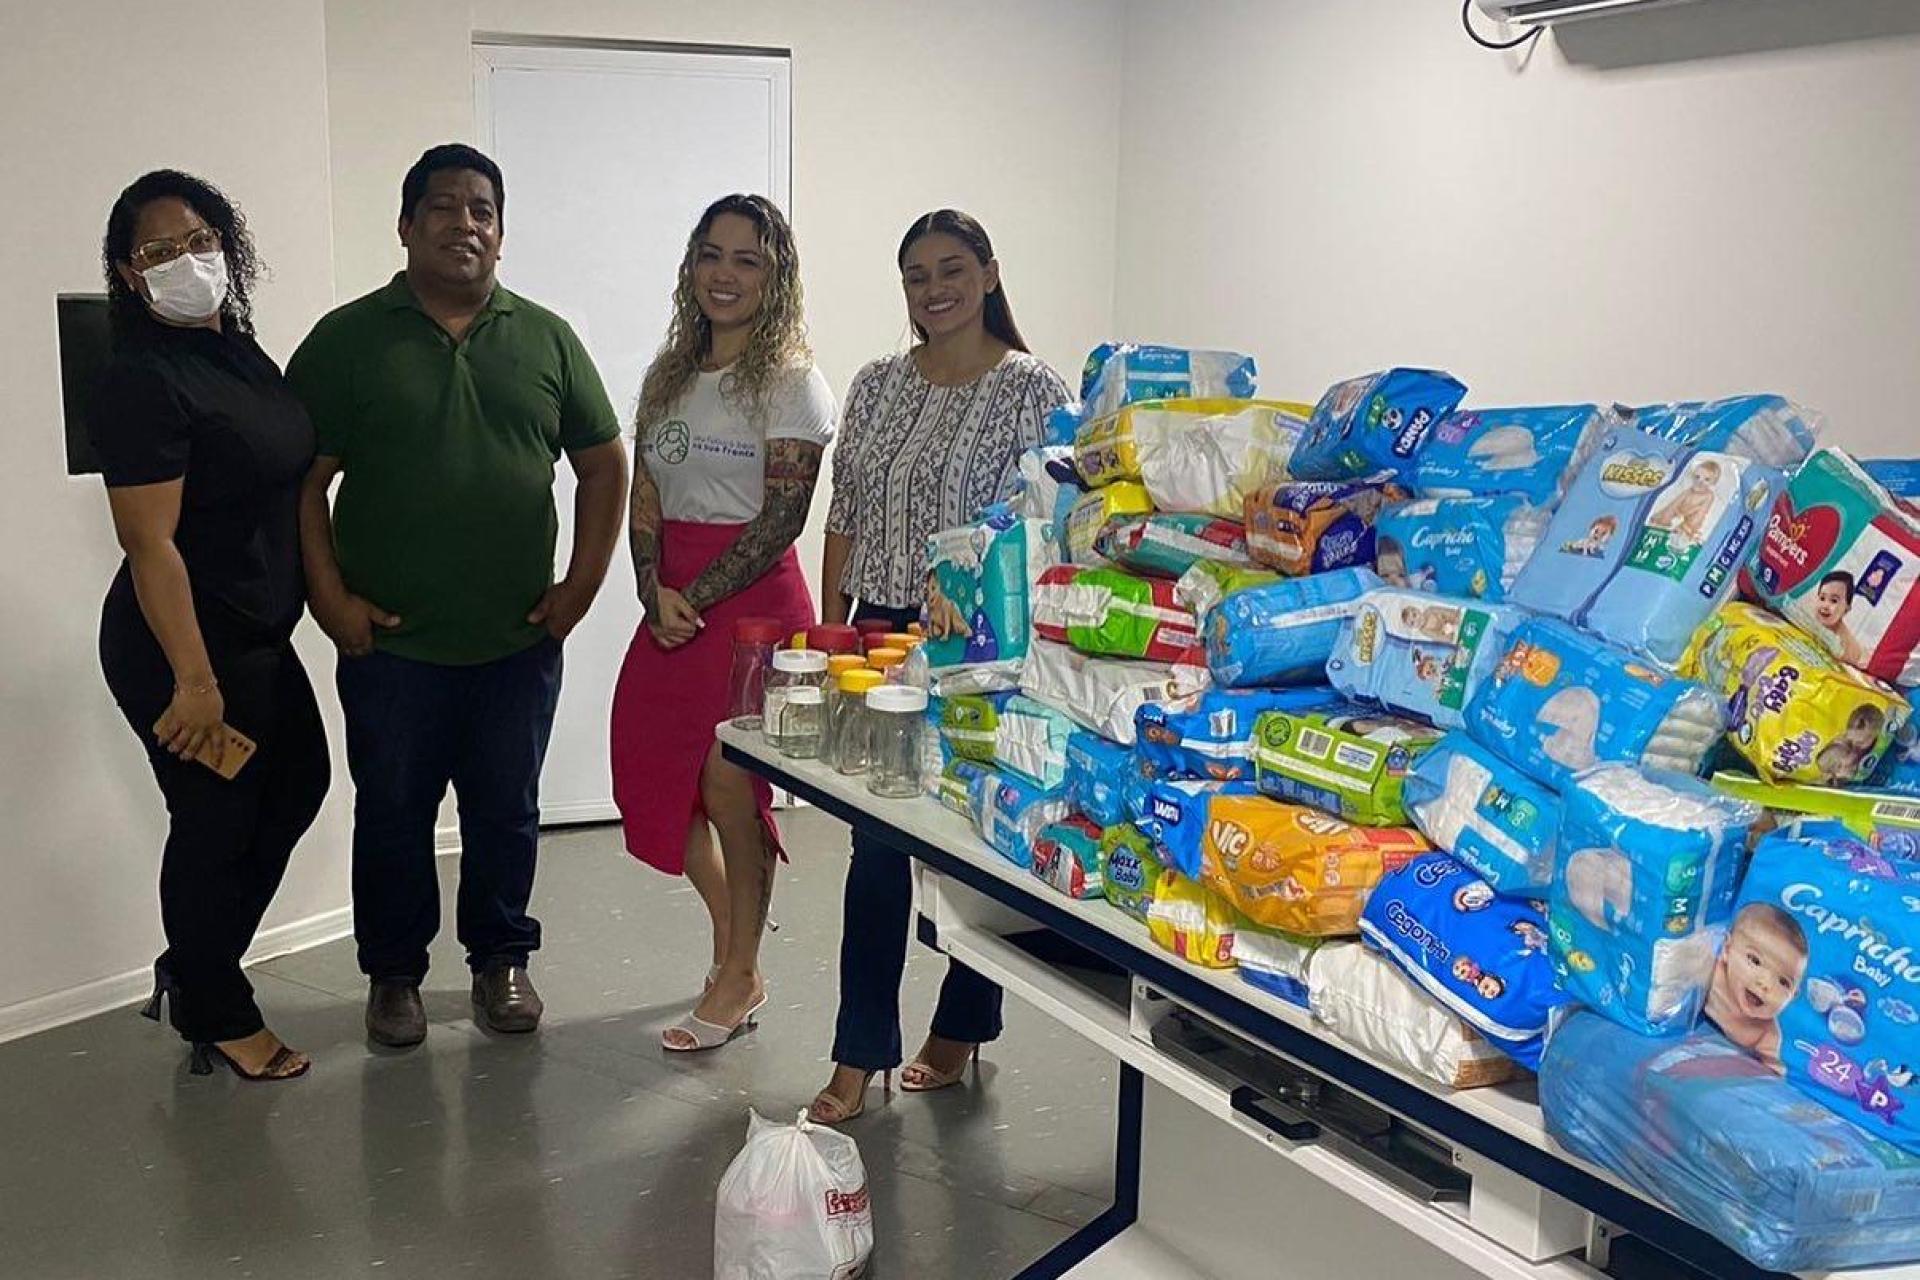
column 157, row 253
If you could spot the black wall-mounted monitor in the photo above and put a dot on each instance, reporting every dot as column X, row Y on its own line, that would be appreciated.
column 86, row 344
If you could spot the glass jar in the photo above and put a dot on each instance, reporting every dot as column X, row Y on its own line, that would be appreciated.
column 792, row 669
column 847, row 721
column 831, row 639
column 801, row 721
column 896, row 717
column 868, row 627
column 754, row 640
column 904, row 641
column 886, row 660
column 840, row 663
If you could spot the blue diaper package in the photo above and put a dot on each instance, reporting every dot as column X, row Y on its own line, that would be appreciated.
column 1030, row 739
column 1900, row 772
column 1063, row 424
column 1011, row 813
column 1641, row 898
column 1419, row 653
column 1283, row 632
column 1457, row 546
column 1898, row 476
column 1482, row 956
column 1487, row 813
column 1772, row 430
column 1532, row 451
column 1725, row 1143
column 1210, row 735
column 1120, row 374
column 1102, row 777
column 1380, row 421
column 1561, row 701
column 1173, row 814
column 1820, row 974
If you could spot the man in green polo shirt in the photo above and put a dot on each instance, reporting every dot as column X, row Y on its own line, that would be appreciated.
column 442, row 402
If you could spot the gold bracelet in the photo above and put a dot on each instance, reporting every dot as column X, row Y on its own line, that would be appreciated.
column 198, row 690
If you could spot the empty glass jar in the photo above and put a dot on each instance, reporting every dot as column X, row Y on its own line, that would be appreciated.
column 754, row 640
column 896, row 717
column 793, row 669
column 847, row 736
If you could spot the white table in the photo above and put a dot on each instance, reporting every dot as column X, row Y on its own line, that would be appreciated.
column 1205, row 1185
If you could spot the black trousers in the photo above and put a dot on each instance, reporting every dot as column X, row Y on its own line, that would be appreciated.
column 227, row 841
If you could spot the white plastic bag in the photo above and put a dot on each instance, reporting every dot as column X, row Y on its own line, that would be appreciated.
column 792, row 1206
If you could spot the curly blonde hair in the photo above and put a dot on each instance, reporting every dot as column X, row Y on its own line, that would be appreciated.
column 779, row 338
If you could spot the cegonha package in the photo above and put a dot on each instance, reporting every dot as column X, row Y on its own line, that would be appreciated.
column 1841, row 559
column 1295, row 868
column 980, row 580
column 1796, row 713
column 1487, row 813
column 1344, row 759
column 1457, row 546
column 1561, row 701
column 1130, row 871
column 1365, row 1000
column 1480, row 955
column 1066, row 855
column 1111, row 613
column 1210, row 736
column 1420, row 653
column 1103, row 694
column 1378, row 422
column 1770, row 430
column 1641, row 899
column 1118, row 374
column 1193, row 455
column 1313, row 526
column 1101, row 776
column 1167, row 546
column 1282, row 632
column 1531, row 452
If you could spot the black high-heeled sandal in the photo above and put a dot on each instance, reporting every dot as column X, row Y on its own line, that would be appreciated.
column 205, row 1055
column 164, row 988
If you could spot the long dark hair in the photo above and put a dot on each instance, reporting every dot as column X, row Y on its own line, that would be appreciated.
column 125, row 307
column 998, row 312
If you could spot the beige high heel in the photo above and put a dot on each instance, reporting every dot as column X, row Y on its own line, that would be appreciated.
column 921, row 1077
column 828, row 1108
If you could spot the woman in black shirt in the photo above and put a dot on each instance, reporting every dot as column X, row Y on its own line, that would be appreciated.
column 202, row 448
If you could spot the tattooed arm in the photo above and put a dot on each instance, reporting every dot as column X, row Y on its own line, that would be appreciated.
column 793, row 468
column 671, row 619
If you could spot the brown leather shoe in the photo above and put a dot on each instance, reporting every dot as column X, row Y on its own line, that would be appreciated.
column 395, row 1016
column 504, row 999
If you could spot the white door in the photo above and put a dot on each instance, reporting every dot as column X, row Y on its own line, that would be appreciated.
column 609, row 156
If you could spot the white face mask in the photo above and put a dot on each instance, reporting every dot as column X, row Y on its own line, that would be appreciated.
column 190, row 288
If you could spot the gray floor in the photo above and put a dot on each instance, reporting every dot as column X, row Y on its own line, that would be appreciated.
column 580, row 1152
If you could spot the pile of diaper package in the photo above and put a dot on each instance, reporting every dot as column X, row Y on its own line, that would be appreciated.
column 1469, row 729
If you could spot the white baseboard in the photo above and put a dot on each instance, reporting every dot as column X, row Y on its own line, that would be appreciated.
column 56, row 1009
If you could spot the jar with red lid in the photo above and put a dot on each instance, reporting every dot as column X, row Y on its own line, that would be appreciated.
column 754, row 642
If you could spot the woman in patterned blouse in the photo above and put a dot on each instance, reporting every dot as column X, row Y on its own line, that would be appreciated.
column 928, row 439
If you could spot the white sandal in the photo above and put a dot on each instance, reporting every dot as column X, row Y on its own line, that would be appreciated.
column 710, row 1035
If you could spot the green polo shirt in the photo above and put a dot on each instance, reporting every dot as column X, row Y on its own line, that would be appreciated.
column 445, row 513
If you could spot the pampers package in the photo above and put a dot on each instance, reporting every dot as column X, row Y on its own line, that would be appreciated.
column 1030, row 739
column 1282, row 632
column 1841, row 559
column 1100, row 777
column 1643, row 892
column 1344, row 760
column 1211, row 736
column 1012, row 811
column 1166, row 546
column 1457, row 546
column 1130, row 871
column 1313, row 526
column 1172, row 812
column 1184, row 918
column 1089, row 517
column 1365, row 1000
column 1796, row 713
column 1727, row 1144
column 1193, row 455
column 1294, row 868
column 1819, row 976
column 1103, row 694
column 1771, row 430
column 1066, row 855
column 1482, row 956
column 1114, row 614
column 1420, row 653
column 1532, row 452
column 1118, row 374
column 1561, row 701
column 979, row 582
column 1208, row 582
column 1378, row 422
column 1487, row 813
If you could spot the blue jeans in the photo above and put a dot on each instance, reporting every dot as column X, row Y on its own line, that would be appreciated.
column 413, row 728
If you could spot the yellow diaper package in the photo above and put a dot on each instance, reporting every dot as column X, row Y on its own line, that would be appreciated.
column 1200, row 456
column 1191, row 922
column 1089, row 516
column 1291, row 867
column 1794, row 711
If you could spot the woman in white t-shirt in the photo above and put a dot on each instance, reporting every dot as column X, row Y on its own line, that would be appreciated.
column 732, row 423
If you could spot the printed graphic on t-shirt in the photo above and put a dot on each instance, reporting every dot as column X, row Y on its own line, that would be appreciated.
column 670, row 442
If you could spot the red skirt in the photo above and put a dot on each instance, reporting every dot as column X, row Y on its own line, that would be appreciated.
column 668, row 701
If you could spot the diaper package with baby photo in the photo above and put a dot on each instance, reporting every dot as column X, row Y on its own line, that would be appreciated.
column 1172, row 812
column 1314, row 526
column 1193, row 455
column 1379, row 422
column 1457, row 546
column 1011, row 813
column 1030, row 739
column 1771, row 430
column 1066, row 855
column 1119, row 374
column 1167, row 546
column 1365, row 1000
column 1796, row 713
column 1104, row 694
column 1101, row 776
column 1211, row 736
column 1421, row 654
column 967, row 724
column 1841, row 559
column 1111, row 613
column 1208, row 582
column 1130, row 871
column 1561, row 701
column 1487, row 813
column 1532, row 452
column 1273, row 961
column 1819, row 976
column 1187, row 920
column 1282, row 632
column 1725, row 1143
column 1342, row 759
column 979, row 583
column 1482, row 956
column 1643, row 892
column 1294, row 868
column 1087, row 520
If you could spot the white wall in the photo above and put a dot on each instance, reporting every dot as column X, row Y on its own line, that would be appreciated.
column 1357, row 185
column 83, row 111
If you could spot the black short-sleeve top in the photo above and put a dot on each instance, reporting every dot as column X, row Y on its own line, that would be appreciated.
column 211, row 409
